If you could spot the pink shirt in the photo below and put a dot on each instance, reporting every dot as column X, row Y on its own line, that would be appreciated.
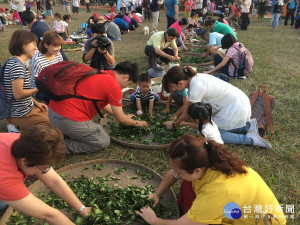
column 212, row 6
column 225, row 22
column 194, row 5
column 58, row 26
column 233, row 54
column 188, row 4
column 127, row 19
column 16, row 16
column 177, row 27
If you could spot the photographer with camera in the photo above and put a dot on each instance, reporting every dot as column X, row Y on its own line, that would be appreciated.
column 99, row 49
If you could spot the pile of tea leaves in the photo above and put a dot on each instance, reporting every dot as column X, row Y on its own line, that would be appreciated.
column 156, row 132
column 111, row 204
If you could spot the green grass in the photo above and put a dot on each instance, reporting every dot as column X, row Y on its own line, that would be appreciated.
column 276, row 56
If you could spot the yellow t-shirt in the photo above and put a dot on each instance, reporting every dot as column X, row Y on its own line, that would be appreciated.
column 250, row 192
column 157, row 40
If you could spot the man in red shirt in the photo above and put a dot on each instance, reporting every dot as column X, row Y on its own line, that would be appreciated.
column 74, row 116
column 235, row 14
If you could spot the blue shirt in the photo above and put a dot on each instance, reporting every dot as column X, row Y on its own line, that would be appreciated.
column 121, row 22
column 155, row 6
column 292, row 5
column 183, row 93
column 215, row 39
column 170, row 7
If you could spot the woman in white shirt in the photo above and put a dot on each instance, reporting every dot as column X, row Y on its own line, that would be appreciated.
column 231, row 108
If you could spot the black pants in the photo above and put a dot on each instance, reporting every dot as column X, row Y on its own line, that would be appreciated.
column 21, row 17
column 150, row 52
column 218, row 59
column 139, row 10
column 290, row 12
column 170, row 21
column 87, row 7
column 245, row 21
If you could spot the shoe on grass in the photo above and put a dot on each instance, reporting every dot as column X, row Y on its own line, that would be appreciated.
column 253, row 126
column 258, row 141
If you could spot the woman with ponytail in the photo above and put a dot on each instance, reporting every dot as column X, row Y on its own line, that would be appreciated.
column 231, row 108
column 218, row 177
column 201, row 114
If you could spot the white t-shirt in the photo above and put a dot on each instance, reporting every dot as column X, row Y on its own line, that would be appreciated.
column 230, row 106
column 20, row 6
column 199, row 4
column 75, row 3
column 211, row 132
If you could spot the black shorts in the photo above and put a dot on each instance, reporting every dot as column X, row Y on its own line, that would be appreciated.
column 75, row 9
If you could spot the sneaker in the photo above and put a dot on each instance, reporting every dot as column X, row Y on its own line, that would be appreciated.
column 253, row 126
column 12, row 128
column 258, row 140
column 242, row 77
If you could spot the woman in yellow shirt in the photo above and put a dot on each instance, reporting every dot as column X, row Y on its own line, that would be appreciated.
column 227, row 190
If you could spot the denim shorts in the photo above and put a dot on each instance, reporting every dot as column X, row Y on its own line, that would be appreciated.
column 49, row 12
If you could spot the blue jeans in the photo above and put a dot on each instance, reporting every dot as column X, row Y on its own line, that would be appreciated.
column 218, row 59
column 275, row 19
column 236, row 136
column 3, row 207
column 133, row 98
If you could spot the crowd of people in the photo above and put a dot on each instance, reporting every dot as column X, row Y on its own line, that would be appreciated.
column 218, row 111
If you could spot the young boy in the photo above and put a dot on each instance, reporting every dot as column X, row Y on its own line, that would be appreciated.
column 190, row 33
column 144, row 93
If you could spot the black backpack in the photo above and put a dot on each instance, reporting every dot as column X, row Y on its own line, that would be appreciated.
column 4, row 105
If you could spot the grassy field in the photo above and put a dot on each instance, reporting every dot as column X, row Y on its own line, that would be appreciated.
column 276, row 56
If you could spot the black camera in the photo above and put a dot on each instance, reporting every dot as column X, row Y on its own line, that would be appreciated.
column 102, row 42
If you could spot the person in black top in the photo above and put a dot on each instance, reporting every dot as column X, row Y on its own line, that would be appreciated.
column 92, row 20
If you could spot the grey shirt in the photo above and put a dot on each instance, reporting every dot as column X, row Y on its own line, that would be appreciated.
column 98, row 60
column 113, row 31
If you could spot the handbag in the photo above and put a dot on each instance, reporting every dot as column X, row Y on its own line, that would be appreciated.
column 262, row 105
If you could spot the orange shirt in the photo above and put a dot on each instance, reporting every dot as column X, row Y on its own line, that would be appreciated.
column 12, row 185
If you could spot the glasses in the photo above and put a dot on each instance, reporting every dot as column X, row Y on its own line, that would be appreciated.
column 176, row 175
column 44, row 171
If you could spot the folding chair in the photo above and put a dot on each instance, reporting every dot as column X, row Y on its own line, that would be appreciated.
column 82, row 28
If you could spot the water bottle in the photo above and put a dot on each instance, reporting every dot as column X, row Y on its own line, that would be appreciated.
column 74, row 34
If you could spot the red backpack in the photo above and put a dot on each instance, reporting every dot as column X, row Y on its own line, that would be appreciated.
column 59, row 81
column 245, row 61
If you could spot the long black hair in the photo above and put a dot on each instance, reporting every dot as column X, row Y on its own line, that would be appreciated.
column 200, row 111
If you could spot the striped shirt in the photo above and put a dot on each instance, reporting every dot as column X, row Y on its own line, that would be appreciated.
column 148, row 97
column 39, row 62
column 15, row 70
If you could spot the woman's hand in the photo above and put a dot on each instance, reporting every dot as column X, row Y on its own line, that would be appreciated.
column 169, row 125
column 208, row 72
column 184, row 123
column 85, row 212
column 141, row 124
column 165, row 111
column 154, row 197
column 147, row 214
column 173, row 117
column 41, row 106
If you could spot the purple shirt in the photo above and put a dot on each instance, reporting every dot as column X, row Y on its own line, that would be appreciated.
column 127, row 19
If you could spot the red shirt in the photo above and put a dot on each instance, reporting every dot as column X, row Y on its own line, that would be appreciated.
column 100, row 86
column 137, row 18
column 12, row 185
column 113, row 9
column 235, row 10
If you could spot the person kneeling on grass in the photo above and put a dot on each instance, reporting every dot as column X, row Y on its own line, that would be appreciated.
column 220, row 182
column 144, row 93
column 158, row 46
column 214, row 42
column 180, row 98
column 74, row 116
column 32, row 154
